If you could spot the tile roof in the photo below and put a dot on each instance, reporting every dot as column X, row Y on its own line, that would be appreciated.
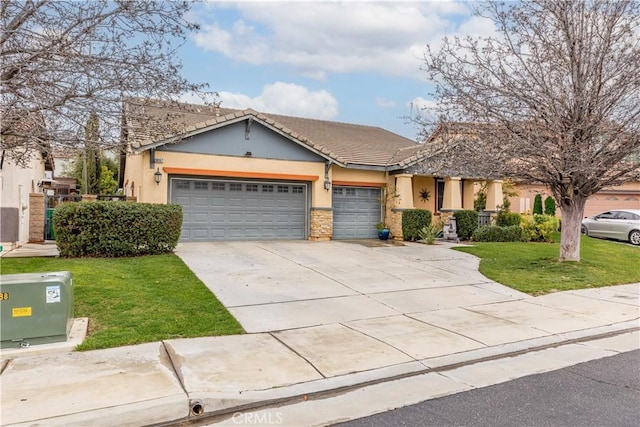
column 154, row 123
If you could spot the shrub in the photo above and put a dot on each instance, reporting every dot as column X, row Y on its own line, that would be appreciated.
column 413, row 220
column 494, row 233
column 537, row 204
column 428, row 233
column 506, row 219
column 539, row 228
column 466, row 223
column 550, row 206
column 116, row 229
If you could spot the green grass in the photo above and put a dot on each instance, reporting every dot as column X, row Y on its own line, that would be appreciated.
column 136, row 300
column 534, row 267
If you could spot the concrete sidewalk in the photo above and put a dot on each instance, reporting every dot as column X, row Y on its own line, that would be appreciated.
column 444, row 328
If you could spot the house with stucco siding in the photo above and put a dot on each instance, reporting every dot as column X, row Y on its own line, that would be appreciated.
column 247, row 175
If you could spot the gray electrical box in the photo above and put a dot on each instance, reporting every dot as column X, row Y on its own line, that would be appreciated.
column 35, row 308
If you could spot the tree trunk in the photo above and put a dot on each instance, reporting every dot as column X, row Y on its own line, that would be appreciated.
column 572, row 213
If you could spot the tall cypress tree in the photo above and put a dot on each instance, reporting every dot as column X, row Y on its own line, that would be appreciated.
column 549, row 206
column 537, row 204
column 91, row 160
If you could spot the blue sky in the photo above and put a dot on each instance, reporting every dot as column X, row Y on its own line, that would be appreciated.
column 350, row 61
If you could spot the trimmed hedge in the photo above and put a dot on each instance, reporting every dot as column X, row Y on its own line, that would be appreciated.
column 414, row 220
column 506, row 219
column 466, row 223
column 116, row 229
column 494, row 233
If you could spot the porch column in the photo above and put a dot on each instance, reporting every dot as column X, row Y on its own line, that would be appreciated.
column 399, row 198
column 404, row 192
column 452, row 199
column 468, row 194
column 494, row 195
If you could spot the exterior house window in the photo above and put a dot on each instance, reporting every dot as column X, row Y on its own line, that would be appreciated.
column 200, row 185
column 183, row 185
column 439, row 194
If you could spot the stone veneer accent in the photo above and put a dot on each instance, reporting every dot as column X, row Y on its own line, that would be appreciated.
column 394, row 222
column 36, row 217
column 321, row 224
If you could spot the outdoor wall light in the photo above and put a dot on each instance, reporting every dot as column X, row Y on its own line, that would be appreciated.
column 157, row 176
column 327, row 184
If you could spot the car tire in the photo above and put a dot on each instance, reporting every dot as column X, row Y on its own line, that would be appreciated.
column 584, row 230
column 634, row 237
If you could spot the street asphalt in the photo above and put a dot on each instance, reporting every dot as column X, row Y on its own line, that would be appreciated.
column 324, row 318
column 603, row 392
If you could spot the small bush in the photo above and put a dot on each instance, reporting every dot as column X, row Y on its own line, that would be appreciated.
column 537, row 204
column 116, row 229
column 549, row 206
column 506, row 219
column 466, row 223
column 413, row 220
column 494, row 233
column 428, row 233
column 539, row 228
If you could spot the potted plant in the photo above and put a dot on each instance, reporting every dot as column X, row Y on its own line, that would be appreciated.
column 383, row 231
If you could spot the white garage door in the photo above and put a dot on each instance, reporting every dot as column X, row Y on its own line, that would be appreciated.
column 356, row 211
column 233, row 210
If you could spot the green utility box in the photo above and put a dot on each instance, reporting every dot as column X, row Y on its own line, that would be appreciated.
column 35, row 308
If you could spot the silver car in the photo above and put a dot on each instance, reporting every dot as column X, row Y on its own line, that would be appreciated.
column 618, row 224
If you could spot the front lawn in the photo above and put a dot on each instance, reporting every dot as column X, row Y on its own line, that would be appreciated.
column 136, row 300
column 534, row 268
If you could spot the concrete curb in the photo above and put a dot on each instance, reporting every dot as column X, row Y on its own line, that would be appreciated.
column 213, row 406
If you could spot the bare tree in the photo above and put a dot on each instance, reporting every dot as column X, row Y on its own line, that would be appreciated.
column 61, row 60
column 553, row 97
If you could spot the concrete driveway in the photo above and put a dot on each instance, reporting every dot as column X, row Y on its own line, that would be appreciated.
column 282, row 285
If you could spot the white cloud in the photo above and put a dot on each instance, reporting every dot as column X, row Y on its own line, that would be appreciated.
column 385, row 103
column 285, row 98
column 422, row 108
column 317, row 38
column 420, row 103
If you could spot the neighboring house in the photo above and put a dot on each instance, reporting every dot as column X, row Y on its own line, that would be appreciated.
column 19, row 186
column 245, row 175
column 626, row 196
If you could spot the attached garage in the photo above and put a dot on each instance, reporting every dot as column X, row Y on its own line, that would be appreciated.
column 609, row 200
column 218, row 210
column 356, row 211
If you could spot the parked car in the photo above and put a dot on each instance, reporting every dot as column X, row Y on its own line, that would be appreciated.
column 618, row 224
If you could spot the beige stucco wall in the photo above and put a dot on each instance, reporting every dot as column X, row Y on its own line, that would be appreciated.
column 148, row 191
column 429, row 184
column 357, row 177
column 16, row 183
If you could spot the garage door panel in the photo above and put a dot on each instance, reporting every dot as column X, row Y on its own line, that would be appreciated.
column 182, row 200
column 225, row 210
column 200, row 233
column 200, row 218
column 356, row 211
column 217, row 217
